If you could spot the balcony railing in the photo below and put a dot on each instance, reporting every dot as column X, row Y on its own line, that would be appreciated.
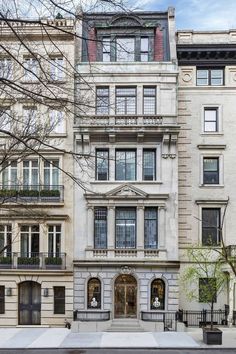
column 31, row 193
column 33, row 260
column 123, row 253
column 91, row 315
column 126, row 120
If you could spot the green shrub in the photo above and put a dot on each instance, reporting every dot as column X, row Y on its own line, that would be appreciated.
column 28, row 193
column 8, row 193
column 50, row 193
column 5, row 260
column 28, row 261
column 53, row 261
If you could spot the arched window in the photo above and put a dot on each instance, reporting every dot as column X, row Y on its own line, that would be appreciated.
column 157, row 294
column 94, row 294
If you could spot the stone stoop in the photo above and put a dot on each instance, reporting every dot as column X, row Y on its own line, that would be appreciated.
column 125, row 325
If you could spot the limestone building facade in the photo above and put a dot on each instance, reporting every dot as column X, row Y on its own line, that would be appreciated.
column 126, row 262
column 36, row 229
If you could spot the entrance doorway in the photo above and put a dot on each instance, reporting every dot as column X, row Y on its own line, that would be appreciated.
column 125, row 297
column 29, row 303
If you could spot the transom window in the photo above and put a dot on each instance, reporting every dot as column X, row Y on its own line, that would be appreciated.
column 102, row 97
column 210, row 119
column 100, row 227
column 125, row 227
column 149, row 100
column 126, row 98
column 125, row 49
column 210, row 226
column 102, row 164
column 211, row 170
column 125, row 165
column 149, row 164
column 210, row 77
column 150, row 228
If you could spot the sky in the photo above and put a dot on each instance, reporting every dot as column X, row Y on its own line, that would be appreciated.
column 195, row 14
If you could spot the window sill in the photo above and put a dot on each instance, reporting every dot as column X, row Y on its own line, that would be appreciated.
column 212, row 134
column 126, row 182
column 211, row 185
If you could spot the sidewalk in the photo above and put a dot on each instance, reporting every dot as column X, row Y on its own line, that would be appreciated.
column 63, row 338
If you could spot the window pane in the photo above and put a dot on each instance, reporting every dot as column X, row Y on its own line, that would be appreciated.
column 102, row 106
column 102, row 165
column 210, row 170
column 94, row 294
column 144, row 44
column 125, row 227
column 210, row 226
column 210, row 114
column 106, row 49
column 149, row 165
column 125, row 49
column 59, row 299
column 158, row 295
column 216, row 77
column 150, row 228
column 100, row 228
column 125, row 165
column 202, row 77
column 2, row 299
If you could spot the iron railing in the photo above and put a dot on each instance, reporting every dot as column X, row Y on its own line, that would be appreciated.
column 32, row 193
column 91, row 315
column 169, row 319
column 33, row 260
column 203, row 318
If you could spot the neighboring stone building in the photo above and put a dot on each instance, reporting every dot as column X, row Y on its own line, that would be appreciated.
column 36, row 199
column 206, row 145
column 126, row 221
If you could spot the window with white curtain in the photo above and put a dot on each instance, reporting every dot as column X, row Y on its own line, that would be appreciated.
column 51, row 174
column 31, row 173
column 57, row 121
column 54, row 240
column 29, row 239
column 6, row 239
column 57, row 69
column 9, row 174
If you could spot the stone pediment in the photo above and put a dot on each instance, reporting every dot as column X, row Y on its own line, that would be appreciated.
column 126, row 191
column 125, row 21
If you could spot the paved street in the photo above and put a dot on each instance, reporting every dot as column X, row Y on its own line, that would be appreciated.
column 117, row 351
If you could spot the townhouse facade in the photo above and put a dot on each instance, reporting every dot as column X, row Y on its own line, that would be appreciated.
column 36, row 199
column 206, row 115
column 126, row 261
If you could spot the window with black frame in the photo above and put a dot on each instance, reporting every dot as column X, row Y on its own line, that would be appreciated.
column 210, row 76
column 102, row 100
column 125, row 49
column 125, row 227
column 102, row 164
column 106, row 49
column 157, row 295
column 150, row 228
column 211, row 119
column 210, row 170
column 94, row 294
column 126, row 100
column 149, row 100
column 100, row 227
column 210, row 226
column 125, row 165
column 59, row 299
column 149, row 164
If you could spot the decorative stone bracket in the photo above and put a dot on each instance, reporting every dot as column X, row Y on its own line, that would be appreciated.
column 169, row 145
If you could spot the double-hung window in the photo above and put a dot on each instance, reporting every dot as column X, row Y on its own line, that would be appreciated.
column 102, row 164
column 150, row 228
column 149, row 100
column 144, row 49
column 100, row 227
column 5, row 239
column 210, row 226
column 211, row 123
column 31, row 67
column 57, row 69
column 51, row 174
column 9, row 175
column 125, row 227
column 149, row 164
column 125, row 165
column 211, row 170
column 54, row 240
column 106, row 49
column 126, row 98
column 210, row 77
column 207, row 290
column 29, row 238
column 125, row 49
column 57, row 122
column 30, row 174
column 102, row 98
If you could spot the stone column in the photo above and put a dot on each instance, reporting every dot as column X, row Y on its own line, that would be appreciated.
column 140, row 227
column 111, row 231
column 162, row 227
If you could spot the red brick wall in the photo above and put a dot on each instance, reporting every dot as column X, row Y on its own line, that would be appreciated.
column 158, row 45
column 92, row 45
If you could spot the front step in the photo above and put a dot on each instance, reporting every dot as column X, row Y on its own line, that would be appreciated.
column 125, row 325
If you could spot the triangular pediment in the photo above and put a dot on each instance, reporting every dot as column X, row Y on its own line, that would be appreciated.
column 127, row 191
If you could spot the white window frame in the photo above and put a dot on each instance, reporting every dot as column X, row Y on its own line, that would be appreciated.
column 57, row 68
column 31, row 64
column 57, row 121
column 219, row 118
column 29, row 233
column 5, row 232
column 54, row 233
column 8, row 64
column 50, row 168
column 30, row 168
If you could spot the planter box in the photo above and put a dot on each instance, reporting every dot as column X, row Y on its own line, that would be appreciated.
column 212, row 336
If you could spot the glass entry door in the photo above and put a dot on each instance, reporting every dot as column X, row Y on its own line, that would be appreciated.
column 29, row 303
column 125, row 297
